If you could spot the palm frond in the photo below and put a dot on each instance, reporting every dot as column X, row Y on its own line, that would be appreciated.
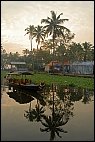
column 57, row 133
column 43, row 130
column 45, row 21
column 46, row 125
column 59, row 16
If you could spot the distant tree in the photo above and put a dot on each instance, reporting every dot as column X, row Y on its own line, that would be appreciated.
column 75, row 52
column 4, row 57
column 87, row 46
column 25, row 52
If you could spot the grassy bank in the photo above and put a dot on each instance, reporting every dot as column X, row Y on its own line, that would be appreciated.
column 65, row 80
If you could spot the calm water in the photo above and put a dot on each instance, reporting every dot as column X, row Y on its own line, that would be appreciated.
column 57, row 113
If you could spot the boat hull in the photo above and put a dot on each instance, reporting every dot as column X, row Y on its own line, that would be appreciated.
column 30, row 87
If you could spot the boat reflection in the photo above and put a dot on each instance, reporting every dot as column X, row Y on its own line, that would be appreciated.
column 24, row 96
column 20, row 97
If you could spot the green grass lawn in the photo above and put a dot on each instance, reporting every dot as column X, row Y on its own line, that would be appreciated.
column 62, row 80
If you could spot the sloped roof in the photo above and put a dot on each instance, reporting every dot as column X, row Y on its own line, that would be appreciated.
column 17, row 63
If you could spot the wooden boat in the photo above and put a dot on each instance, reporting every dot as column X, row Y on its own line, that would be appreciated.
column 23, row 84
column 28, row 87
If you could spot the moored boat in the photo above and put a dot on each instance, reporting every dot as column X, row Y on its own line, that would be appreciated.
column 24, row 84
column 29, row 87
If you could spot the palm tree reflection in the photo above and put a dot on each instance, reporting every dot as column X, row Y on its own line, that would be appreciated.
column 29, row 114
column 35, row 113
column 54, row 122
column 87, row 96
column 60, row 103
column 38, row 112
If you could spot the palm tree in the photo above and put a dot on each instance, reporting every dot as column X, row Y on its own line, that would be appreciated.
column 30, row 31
column 26, row 52
column 39, row 34
column 54, row 27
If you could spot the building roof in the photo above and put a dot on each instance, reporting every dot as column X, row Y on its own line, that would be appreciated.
column 17, row 63
column 84, row 63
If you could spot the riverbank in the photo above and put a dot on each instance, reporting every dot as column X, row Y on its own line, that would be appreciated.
column 57, row 79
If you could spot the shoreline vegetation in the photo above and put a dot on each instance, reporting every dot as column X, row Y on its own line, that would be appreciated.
column 58, row 80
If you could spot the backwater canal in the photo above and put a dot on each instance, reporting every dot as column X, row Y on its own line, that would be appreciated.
column 57, row 113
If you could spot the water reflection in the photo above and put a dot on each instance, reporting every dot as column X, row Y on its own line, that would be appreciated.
column 58, row 100
column 53, row 122
column 20, row 97
column 87, row 95
column 34, row 113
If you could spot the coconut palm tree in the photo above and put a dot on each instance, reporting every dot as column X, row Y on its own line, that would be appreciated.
column 54, row 26
column 26, row 52
column 39, row 34
column 29, row 30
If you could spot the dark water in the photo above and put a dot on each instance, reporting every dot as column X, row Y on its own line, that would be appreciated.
column 57, row 113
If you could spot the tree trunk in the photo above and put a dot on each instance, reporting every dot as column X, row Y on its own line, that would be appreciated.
column 30, row 107
column 31, row 44
column 53, row 55
column 53, row 101
column 63, row 63
column 37, row 58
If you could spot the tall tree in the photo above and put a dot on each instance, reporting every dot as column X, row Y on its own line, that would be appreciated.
column 54, row 26
column 29, row 30
column 39, row 34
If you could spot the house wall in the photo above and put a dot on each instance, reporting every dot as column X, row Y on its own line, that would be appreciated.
column 81, row 69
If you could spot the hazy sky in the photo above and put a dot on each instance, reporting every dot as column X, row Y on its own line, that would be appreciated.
column 18, row 15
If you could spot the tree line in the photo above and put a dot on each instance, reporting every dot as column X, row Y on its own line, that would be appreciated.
column 54, row 42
